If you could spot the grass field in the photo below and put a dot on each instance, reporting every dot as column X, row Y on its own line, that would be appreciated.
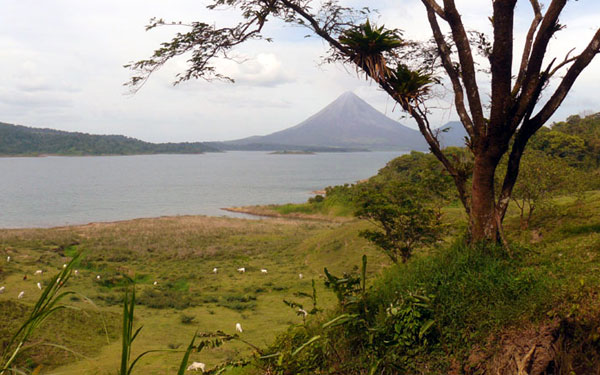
column 179, row 253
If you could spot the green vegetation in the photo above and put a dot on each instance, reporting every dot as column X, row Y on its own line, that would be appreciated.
column 180, row 254
column 403, row 217
column 24, row 141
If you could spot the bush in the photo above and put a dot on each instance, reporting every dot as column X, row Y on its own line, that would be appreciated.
column 187, row 319
column 165, row 298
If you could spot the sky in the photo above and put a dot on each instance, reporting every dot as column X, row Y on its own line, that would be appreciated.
column 61, row 64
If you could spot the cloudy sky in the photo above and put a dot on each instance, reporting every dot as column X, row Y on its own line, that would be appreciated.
column 61, row 64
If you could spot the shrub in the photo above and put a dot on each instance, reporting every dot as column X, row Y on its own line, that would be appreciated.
column 187, row 319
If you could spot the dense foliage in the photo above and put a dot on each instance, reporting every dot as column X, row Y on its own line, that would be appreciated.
column 21, row 140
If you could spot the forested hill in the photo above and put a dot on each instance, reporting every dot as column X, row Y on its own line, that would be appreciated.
column 16, row 140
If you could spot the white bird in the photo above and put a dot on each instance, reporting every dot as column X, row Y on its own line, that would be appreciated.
column 58, row 280
column 39, row 286
column 76, row 272
column 38, row 272
column 2, row 289
column 238, row 327
column 215, row 270
column 241, row 270
column 155, row 283
column 263, row 270
column 98, row 277
column 64, row 265
column 8, row 258
column 300, row 276
column 195, row 366
column 20, row 295
column 303, row 312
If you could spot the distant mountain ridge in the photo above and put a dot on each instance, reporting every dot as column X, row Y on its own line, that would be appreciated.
column 18, row 140
column 348, row 123
column 345, row 125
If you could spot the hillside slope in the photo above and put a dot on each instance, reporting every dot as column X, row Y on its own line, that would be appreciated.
column 18, row 140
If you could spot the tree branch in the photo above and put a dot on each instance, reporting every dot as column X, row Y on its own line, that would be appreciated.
column 549, row 26
column 581, row 62
column 566, row 61
column 501, row 64
column 537, row 19
column 459, row 35
column 433, row 5
column 445, row 53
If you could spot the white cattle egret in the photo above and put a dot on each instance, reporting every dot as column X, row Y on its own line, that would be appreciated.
column 195, row 366
column 238, row 327
column 20, row 295
column 215, row 270
column 263, row 270
column 300, row 276
column 241, row 270
column 2, row 289
column 155, row 283
column 39, row 286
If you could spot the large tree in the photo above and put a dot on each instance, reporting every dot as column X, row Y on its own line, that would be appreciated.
column 407, row 71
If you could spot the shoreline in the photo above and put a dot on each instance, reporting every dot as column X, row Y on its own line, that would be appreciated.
column 112, row 222
column 265, row 212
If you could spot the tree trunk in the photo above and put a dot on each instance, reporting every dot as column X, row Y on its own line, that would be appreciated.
column 484, row 226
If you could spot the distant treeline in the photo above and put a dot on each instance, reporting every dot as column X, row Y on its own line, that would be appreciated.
column 16, row 140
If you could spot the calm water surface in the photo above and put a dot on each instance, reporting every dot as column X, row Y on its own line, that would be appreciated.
column 55, row 191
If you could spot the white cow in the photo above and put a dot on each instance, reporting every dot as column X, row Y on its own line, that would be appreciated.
column 215, row 270
column 241, row 270
column 300, row 276
column 64, row 265
column 97, row 277
column 38, row 272
column 238, row 327
column 20, row 295
column 76, row 272
column 8, row 258
column 2, row 288
column 155, row 283
column 39, row 285
column 195, row 366
column 263, row 270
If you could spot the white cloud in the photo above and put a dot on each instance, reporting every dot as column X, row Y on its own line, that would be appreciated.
column 264, row 69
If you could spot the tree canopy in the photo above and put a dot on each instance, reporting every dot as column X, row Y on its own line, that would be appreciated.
column 521, row 99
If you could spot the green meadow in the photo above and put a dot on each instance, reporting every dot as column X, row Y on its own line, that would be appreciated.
column 179, row 253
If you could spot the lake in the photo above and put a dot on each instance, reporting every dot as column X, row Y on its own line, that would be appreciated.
column 56, row 191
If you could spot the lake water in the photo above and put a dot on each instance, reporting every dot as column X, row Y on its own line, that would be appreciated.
column 56, row 191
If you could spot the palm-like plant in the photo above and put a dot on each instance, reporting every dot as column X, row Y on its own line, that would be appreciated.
column 368, row 44
column 410, row 85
